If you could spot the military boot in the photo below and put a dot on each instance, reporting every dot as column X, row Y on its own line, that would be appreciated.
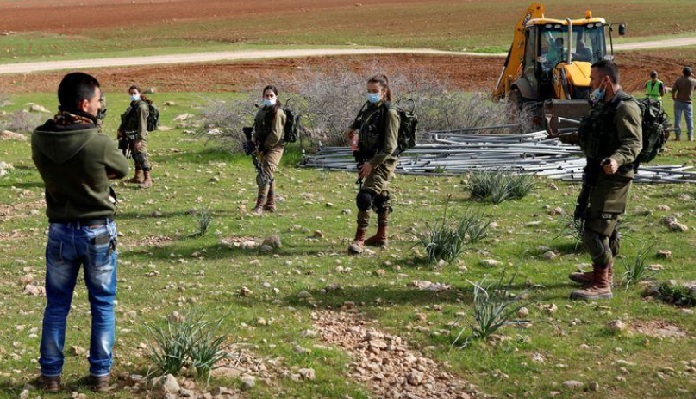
column 358, row 244
column 586, row 278
column 137, row 178
column 147, row 182
column 260, row 200
column 270, row 199
column 600, row 288
column 380, row 239
column 49, row 384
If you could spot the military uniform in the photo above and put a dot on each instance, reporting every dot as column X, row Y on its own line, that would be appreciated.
column 378, row 127
column 134, row 124
column 611, row 131
column 268, row 137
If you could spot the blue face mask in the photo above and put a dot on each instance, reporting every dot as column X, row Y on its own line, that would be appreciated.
column 267, row 102
column 373, row 98
column 135, row 97
column 597, row 95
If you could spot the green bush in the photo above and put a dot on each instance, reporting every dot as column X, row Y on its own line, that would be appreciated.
column 446, row 242
column 498, row 186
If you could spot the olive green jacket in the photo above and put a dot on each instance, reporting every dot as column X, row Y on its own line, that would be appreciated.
column 134, row 120
column 75, row 162
column 379, row 129
column 269, row 135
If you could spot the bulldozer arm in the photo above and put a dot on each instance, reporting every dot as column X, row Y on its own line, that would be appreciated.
column 563, row 118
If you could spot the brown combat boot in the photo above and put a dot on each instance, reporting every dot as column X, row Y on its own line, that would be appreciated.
column 358, row 244
column 147, row 182
column 380, row 239
column 49, row 384
column 137, row 178
column 586, row 278
column 270, row 199
column 600, row 288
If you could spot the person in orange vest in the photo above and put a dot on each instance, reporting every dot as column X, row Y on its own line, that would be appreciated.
column 654, row 88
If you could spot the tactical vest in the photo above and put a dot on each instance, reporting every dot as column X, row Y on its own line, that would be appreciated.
column 652, row 90
column 130, row 120
column 371, row 129
column 263, row 124
column 597, row 132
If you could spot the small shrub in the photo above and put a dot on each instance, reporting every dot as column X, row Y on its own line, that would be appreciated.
column 203, row 219
column 226, row 119
column 189, row 342
column 446, row 242
column 21, row 121
column 677, row 294
column 493, row 307
column 498, row 186
column 638, row 270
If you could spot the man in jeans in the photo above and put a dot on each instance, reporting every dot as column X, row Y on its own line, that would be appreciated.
column 76, row 162
column 682, row 93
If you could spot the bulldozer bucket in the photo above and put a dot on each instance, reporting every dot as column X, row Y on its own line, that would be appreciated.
column 562, row 118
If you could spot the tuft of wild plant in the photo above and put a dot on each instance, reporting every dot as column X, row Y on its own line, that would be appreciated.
column 677, row 294
column 446, row 242
column 638, row 270
column 20, row 121
column 494, row 306
column 203, row 218
column 190, row 341
column 499, row 185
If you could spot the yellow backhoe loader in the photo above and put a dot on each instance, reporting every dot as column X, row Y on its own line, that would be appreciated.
column 547, row 69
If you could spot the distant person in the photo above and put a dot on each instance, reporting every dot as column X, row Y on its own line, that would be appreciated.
column 611, row 139
column 134, row 125
column 269, row 125
column 555, row 54
column 654, row 88
column 76, row 162
column 583, row 53
column 377, row 127
column 682, row 94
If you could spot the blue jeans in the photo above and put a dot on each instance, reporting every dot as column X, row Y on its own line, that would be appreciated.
column 69, row 246
column 685, row 108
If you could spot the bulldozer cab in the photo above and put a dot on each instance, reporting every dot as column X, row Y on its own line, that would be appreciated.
column 548, row 48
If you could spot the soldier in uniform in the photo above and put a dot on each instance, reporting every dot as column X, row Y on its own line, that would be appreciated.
column 269, row 125
column 377, row 127
column 134, row 124
column 611, row 139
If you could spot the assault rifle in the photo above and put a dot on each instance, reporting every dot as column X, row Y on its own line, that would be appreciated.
column 250, row 147
column 125, row 143
column 589, row 180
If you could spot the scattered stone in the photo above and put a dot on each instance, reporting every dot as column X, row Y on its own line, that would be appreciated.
column 171, row 385
column 552, row 308
column 574, row 385
column 304, row 294
column 346, row 211
column 318, row 234
column 244, row 291
column 522, row 312
column 593, row 386
column 8, row 135
column 664, row 253
column 557, row 211
column 248, row 382
column 663, row 207
column 38, row 108
column 307, row 374
column 550, row 255
column 273, row 241
column 169, row 102
column 490, row 262
column 33, row 290
column 175, row 317
column 617, row 326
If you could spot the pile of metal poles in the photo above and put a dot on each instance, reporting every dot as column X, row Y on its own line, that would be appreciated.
column 456, row 151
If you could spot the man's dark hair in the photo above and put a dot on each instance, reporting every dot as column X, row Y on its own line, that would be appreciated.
column 75, row 87
column 608, row 68
column 653, row 74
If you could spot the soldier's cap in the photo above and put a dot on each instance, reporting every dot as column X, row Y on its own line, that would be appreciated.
column 687, row 70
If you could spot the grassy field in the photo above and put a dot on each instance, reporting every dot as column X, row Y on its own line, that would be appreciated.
column 450, row 25
column 163, row 269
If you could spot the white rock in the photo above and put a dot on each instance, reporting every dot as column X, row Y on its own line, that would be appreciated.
column 171, row 385
column 573, row 384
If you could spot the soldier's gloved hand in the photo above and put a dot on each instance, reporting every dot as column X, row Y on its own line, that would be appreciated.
column 578, row 213
column 138, row 145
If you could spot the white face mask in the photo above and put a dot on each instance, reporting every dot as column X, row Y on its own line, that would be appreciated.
column 135, row 97
column 268, row 101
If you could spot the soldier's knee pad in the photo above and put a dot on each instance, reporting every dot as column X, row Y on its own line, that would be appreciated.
column 382, row 203
column 598, row 247
column 364, row 200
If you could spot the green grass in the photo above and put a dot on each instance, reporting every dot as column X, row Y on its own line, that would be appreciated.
column 183, row 168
